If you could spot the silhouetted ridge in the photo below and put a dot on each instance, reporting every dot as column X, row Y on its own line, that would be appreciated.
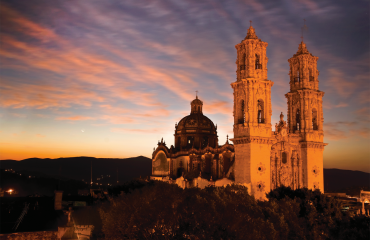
column 79, row 167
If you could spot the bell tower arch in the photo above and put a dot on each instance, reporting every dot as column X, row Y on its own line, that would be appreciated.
column 252, row 115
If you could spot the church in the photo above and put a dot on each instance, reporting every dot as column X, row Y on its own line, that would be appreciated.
column 258, row 157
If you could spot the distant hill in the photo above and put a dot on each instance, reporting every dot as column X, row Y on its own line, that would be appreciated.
column 40, row 185
column 347, row 181
column 79, row 168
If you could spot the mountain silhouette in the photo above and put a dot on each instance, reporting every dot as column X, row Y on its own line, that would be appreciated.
column 79, row 168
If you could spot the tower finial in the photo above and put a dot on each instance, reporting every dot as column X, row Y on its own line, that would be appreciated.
column 196, row 94
column 304, row 28
column 250, row 23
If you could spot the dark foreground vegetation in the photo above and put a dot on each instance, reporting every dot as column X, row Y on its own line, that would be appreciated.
column 157, row 210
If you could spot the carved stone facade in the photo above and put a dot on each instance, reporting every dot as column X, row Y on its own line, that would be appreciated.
column 293, row 153
column 260, row 158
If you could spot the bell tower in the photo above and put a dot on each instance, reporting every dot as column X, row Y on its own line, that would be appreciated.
column 252, row 115
column 304, row 99
column 305, row 115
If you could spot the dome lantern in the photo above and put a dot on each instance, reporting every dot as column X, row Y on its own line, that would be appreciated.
column 196, row 106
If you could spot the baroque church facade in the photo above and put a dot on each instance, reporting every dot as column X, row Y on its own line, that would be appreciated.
column 260, row 158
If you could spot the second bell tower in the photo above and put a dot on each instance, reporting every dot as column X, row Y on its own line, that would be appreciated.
column 305, row 115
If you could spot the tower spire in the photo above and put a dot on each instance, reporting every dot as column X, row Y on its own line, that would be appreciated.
column 303, row 28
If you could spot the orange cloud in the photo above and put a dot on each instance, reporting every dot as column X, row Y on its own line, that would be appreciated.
column 363, row 132
column 40, row 136
column 221, row 107
column 363, row 114
column 74, row 118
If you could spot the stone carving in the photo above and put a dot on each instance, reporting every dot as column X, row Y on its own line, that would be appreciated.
column 315, row 170
column 205, row 123
column 261, row 168
column 260, row 186
column 285, row 177
column 192, row 123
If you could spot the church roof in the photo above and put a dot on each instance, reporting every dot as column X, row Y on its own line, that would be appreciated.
column 196, row 120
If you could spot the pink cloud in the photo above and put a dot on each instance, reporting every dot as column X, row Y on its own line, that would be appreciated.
column 40, row 136
column 340, row 105
column 18, row 115
column 118, row 119
column 142, row 131
column 363, row 96
column 339, row 81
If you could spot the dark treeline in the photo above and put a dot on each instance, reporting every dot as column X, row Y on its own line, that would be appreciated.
column 157, row 210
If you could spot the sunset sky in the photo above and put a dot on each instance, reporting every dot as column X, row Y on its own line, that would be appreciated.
column 111, row 78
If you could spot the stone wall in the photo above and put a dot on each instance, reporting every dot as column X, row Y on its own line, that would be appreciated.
column 42, row 235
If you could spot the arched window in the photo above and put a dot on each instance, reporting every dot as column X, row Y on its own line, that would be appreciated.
column 314, row 119
column 208, row 159
column 180, row 169
column 242, row 112
column 178, row 142
column 284, row 157
column 190, row 141
column 311, row 75
column 160, row 163
column 260, row 111
column 198, row 109
column 297, row 119
column 297, row 76
column 258, row 63
column 242, row 65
